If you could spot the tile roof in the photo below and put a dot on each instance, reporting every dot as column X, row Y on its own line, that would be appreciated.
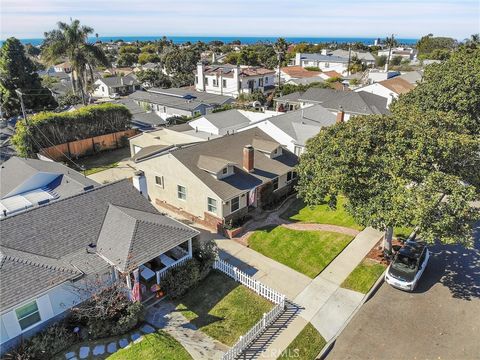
column 397, row 85
column 298, row 72
column 265, row 168
column 332, row 74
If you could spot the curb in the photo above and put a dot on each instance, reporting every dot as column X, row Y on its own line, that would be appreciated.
column 329, row 345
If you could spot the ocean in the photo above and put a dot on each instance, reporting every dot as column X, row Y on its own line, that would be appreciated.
column 227, row 39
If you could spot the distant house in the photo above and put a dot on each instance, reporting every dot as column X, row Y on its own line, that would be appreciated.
column 178, row 102
column 380, row 75
column 141, row 118
column 404, row 52
column 63, row 67
column 389, row 89
column 294, row 128
column 121, row 85
column 56, row 255
column 413, row 77
column 28, row 183
column 220, row 123
column 232, row 80
column 221, row 180
column 323, row 61
column 297, row 72
column 364, row 56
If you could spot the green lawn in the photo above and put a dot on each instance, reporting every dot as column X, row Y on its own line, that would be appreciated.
column 321, row 214
column 159, row 345
column 363, row 277
column 98, row 169
column 402, row 232
column 222, row 308
column 308, row 252
column 306, row 346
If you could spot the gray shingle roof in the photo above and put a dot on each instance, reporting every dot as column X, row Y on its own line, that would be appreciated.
column 212, row 164
column 47, row 245
column 357, row 103
column 139, row 115
column 130, row 237
column 320, row 57
column 166, row 100
column 230, row 148
column 203, row 97
column 227, row 119
column 116, row 81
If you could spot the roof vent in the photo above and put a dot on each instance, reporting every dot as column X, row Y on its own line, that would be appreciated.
column 89, row 187
column 90, row 248
column 43, row 202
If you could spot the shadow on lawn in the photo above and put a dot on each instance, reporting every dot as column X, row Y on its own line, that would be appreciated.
column 455, row 267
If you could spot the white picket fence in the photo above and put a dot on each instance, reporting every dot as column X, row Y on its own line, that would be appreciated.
column 161, row 273
column 262, row 290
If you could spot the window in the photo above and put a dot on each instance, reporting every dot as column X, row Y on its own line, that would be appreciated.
column 224, row 83
column 28, row 315
column 225, row 170
column 212, row 205
column 289, row 176
column 182, row 192
column 260, row 82
column 196, row 79
column 275, row 183
column 266, row 80
column 215, row 82
column 159, row 181
column 206, row 81
column 235, row 205
column 294, row 175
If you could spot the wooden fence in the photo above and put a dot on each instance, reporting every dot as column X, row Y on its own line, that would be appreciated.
column 79, row 148
column 262, row 290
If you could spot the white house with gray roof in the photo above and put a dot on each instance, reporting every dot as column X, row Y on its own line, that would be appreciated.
column 324, row 61
column 52, row 254
column 122, row 85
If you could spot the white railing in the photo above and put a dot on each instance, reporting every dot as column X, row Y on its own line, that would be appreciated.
column 161, row 273
column 260, row 289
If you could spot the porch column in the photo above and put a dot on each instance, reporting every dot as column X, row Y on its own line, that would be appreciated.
column 129, row 282
column 190, row 247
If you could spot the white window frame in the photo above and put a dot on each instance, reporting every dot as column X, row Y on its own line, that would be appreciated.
column 224, row 83
column 37, row 312
column 162, row 184
column 180, row 192
column 212, row 207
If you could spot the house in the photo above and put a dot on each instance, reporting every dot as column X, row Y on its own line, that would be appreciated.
column 151, row 143
column 141, row 118
column 28, row 183
column 57, row 255
column 350, row 102
column 380, row 75
column 121, row 85
column 364, row 56
column 221, row 180
column 65, row 67
column 297, row 72
column 323, row 61
column 294, row 128
column 332, row 74
column 412, row 77
column 403, row 52
column 178, row 102
column 233, row 80
column 220, row 123
column 389, row 89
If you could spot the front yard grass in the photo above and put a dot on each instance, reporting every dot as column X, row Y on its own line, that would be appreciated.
column 308, row 252
column 363, row 277
column 159, row 345
column 223, row 308
column 305, row 346
column 321, row 214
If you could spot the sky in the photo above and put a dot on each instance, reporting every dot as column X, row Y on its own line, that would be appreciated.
column 314, row 18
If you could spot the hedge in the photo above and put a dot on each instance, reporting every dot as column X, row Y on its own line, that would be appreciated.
column 49, row 128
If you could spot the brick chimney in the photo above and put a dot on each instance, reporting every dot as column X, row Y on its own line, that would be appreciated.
column 340, row 116
column 248, row 160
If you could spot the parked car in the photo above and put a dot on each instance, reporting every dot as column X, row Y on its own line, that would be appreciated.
column 408, row 265
column 115, row 96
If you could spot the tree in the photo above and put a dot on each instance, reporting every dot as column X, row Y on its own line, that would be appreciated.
column 180, row 64
column 396, row 60
column 380, row 61
column 427, row 44
column 390, row 42
column 154, row 78
column 417, row 167
column 144, row 58
column 127, row 59
column 17, row 72
column 473, row 41
column 70, row 41
column 69, row 99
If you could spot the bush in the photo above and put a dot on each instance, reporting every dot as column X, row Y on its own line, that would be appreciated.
column 205, row 253
column 180, row 279
column 312, row 68
column 59, row 128
column 45, row 344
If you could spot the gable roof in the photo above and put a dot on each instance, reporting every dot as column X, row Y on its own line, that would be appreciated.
column 129, row 237
column 118, row 81
column 397, row 85
column 413, row 77
column 212, row 164
column 361, row 102
column 265, row 168
column 361, row 55
column 226, row 119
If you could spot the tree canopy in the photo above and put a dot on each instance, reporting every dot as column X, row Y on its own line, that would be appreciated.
column 417, row 167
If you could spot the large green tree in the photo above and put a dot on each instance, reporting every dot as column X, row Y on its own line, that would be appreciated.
column 417, row 167
column 70, row 41
column 17, row 72
column 429, row 43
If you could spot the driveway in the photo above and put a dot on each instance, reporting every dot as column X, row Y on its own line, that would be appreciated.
column 440, row 320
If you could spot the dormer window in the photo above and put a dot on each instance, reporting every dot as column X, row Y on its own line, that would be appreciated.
column 225, row 170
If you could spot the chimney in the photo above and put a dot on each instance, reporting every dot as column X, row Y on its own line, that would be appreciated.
column 236, row 77
column 298, row 59
column 248, row 160
column 140, row 183
column 341, row 116
column 200, row 85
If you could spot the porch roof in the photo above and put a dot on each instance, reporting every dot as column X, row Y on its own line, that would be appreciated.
column 129, row 237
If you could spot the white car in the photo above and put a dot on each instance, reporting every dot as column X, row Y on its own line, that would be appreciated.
column 114, row 96
column 408, row 265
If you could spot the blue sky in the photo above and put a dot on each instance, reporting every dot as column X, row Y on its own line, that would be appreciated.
column 366, row 18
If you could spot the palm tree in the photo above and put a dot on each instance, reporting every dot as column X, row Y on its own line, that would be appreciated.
column 390, row 42
column 70, row 41
column 473, row 41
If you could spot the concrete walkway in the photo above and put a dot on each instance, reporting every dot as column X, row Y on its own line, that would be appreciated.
column 199, row 345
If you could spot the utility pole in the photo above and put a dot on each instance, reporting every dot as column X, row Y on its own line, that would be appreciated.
column 389, row 52
column 20, row 96
column 349, row 58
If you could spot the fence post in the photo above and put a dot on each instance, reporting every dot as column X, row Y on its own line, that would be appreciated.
column 235, row 275
column 264, row 321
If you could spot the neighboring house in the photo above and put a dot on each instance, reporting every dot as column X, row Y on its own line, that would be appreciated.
column 413, row 77
column 150, row 143
column 30, row 183
column 294, row 128
column 141, row 118
column 332, row 74
column 221, row 180
column 305, row 81
column 404, row 53
column 120, row 71
column 220, row 123
column 181, row 102
column 121, row 85
column 380, row 75
column 297, row 72
column 233, row 80
column 323, row 61
column 65, row 67
column 364, row 56
column 389, row 89
column 350, row 102
column 57, row 255
column 61, row 88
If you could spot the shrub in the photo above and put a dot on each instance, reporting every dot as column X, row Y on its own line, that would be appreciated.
column 205, row 252
column 312, row 68
column 180, row 279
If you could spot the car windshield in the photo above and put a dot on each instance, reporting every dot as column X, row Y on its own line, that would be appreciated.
column 404, row 264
